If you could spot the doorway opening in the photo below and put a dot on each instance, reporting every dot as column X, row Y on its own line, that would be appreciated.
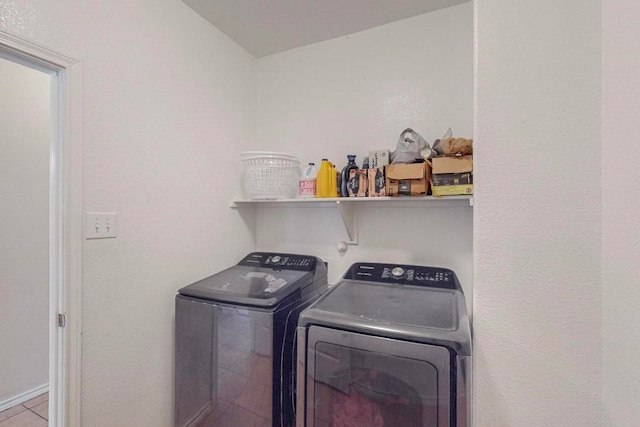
column 64, row 225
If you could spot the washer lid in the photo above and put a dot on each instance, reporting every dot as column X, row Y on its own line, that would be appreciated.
column 415, row 313
column 398, row 305
column 248, row 285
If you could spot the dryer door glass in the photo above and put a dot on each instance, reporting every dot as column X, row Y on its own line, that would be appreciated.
column 360, row 380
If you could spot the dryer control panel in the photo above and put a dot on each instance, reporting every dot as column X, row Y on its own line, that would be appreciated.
column 433, row 277
column 278, row 261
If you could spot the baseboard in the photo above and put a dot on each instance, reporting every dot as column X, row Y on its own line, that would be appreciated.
column 23, row 397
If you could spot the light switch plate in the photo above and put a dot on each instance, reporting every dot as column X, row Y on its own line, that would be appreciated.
column 101, row 225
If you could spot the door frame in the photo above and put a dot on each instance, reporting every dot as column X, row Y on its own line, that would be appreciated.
column 65, row 223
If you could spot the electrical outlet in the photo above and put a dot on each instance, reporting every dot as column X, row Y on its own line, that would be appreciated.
column 101, row 225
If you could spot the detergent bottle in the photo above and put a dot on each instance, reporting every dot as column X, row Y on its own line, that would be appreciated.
column 324, row 179
column 334, row 182
column 307, row 183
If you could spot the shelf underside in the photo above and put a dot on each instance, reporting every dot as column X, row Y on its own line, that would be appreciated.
column 406, row 201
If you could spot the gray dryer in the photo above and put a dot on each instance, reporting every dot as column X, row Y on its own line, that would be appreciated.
column 387, row 345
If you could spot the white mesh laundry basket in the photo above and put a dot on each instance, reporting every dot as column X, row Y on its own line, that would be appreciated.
column 268, row 175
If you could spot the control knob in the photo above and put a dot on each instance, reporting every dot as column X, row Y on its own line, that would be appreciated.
column 276, row 259
column 397, row 272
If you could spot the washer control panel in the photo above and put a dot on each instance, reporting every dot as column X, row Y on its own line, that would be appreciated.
column 278, row 261
column 404, row 274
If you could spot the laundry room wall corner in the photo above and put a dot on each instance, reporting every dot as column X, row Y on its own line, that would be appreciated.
column 620, row 227
column 537, row 214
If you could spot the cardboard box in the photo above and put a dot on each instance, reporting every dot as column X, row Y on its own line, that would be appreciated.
column 452, row 176
column 379, row 158
column 410, row 179
column 377, row 183
column 358, row 183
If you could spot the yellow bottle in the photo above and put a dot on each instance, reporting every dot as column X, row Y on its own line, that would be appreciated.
column 334, row 182
column 324, row 180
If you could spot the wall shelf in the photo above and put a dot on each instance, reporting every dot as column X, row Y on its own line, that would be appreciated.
column 348, row 206
column 423, row 201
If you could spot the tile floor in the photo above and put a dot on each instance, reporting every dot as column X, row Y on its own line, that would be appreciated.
column 32, row 413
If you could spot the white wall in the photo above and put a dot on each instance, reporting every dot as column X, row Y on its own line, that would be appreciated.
column 537, row 239
column 168, row 104
column 621, row 204
column 24, row 230
column 357, row 93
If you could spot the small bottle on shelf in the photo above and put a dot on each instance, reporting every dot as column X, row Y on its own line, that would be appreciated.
column 351, row 165
column 307, row 183
column 334, row 182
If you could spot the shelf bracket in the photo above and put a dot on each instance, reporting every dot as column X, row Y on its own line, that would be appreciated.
column 248, row 214
column 350, row 220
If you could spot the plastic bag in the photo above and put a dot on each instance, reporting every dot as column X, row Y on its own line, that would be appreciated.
column 437, row 144
column 410, row 144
